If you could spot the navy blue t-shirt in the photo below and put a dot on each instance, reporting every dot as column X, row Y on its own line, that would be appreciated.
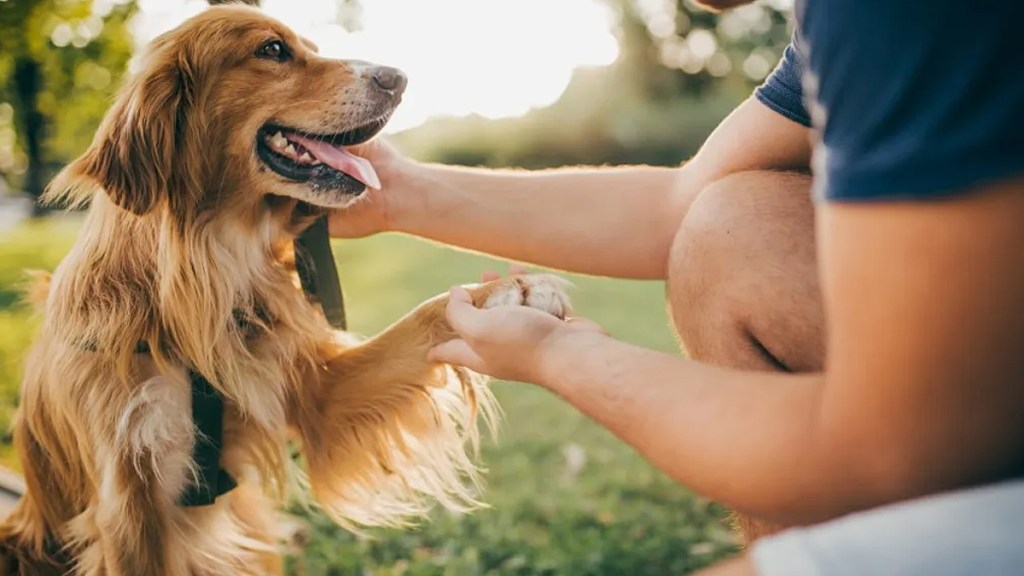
column 911, row 99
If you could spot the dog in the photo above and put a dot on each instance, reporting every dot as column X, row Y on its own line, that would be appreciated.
column 229, row 139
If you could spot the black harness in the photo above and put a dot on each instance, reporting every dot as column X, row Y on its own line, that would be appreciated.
column 318, row 274
column 208, row 416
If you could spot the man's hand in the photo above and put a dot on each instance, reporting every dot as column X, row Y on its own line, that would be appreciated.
column 373, row 211
column 507, row 342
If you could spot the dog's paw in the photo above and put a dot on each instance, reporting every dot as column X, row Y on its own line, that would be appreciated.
column 545, row 292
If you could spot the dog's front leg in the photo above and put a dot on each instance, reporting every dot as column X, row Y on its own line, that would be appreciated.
column 387, row 432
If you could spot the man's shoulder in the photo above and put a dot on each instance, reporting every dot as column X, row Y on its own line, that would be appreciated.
column 916, row 99
column 783, row 91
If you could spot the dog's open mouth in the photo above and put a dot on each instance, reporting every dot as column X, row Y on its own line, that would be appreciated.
column 322, row 160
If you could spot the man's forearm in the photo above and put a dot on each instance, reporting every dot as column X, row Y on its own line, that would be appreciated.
column 747, row 439
column 605, row 221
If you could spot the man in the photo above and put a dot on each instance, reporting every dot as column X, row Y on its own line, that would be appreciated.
column 918, row 177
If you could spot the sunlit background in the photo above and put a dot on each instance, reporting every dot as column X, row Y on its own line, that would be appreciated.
column 527, row 83
column 467, row 59
column 495, row 58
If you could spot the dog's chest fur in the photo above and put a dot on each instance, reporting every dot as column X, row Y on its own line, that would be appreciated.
column 234, row 313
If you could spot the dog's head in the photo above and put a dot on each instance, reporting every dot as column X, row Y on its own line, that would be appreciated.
column 230, row 110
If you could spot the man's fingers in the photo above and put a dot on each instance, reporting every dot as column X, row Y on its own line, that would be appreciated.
column 513, row 270
column 462, row 314
column 459, row 294
column 456, row 352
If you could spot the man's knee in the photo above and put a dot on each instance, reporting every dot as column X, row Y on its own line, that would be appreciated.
column 742, row 268
column 708, row 248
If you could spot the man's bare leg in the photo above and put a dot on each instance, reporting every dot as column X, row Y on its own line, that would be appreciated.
column 743, row 281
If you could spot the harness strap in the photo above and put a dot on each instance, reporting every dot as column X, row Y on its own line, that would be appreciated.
column 314, row 261
column 208, row 416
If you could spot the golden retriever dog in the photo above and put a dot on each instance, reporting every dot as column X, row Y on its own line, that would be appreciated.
column 225, row 144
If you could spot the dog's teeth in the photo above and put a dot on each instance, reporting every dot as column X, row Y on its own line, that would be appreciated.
column 306, row 157
column 279, row 141
column 290, row 150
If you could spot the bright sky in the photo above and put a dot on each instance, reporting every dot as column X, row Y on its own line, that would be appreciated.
column 495, row 58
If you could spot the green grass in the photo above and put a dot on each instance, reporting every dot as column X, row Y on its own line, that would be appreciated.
column 548, row 515
column 38, row 246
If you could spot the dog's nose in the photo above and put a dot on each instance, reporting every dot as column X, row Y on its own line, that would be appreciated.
column 389, row 79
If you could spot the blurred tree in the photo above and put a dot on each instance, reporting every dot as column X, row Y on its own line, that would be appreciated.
column 673, row 47
column 60, row 60
column 680, row 70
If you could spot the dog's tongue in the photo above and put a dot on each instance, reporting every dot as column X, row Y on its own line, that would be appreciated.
column 341, row 160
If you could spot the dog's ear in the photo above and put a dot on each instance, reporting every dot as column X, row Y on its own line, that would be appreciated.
column 132, row 157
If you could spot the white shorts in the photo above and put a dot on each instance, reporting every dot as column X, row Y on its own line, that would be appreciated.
column 976, row 532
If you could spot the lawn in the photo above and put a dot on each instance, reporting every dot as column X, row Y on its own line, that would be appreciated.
column 565, row 497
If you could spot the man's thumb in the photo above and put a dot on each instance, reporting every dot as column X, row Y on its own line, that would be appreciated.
column 462, row 314
column 455, row 352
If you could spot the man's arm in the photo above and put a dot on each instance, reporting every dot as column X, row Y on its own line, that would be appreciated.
column 606, row 221
column 923, row 389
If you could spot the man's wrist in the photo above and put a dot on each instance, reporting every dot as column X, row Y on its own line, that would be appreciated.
column 408, row 212
column 563, row 352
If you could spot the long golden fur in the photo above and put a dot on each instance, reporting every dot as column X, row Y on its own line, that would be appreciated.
column 187, row 246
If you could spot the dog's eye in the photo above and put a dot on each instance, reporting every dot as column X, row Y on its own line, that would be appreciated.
column 273, row 50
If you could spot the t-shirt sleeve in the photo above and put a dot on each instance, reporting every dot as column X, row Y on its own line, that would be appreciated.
column 782, row 91
column 914, row 100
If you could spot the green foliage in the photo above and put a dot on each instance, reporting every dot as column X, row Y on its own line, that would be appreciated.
column 76, row 50
column 709, row 49
column 565, row 497
column 16, row 330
